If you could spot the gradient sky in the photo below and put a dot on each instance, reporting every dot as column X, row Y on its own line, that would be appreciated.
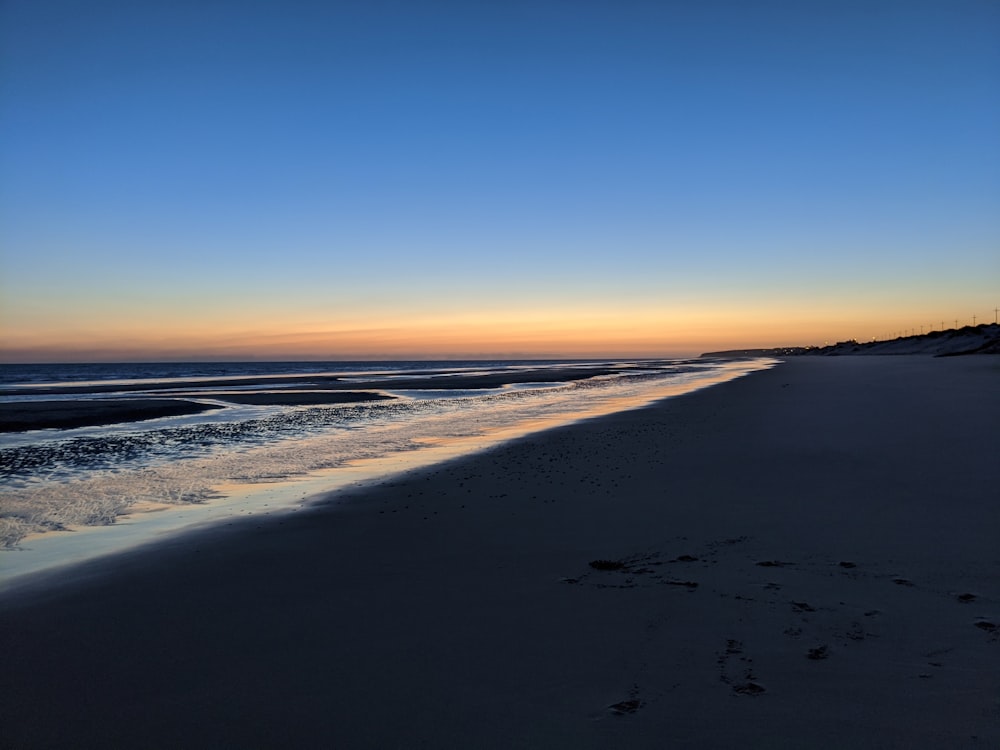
column 189, row 179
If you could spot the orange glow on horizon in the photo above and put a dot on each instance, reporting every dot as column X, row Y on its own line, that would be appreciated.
column 582, row 332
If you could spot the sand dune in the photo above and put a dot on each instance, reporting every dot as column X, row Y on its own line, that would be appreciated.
column 981, row 339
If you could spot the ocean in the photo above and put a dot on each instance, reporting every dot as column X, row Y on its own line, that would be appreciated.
column 267, row 437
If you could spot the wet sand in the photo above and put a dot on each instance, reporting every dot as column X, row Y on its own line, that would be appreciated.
column 40, row 415
column 65, row 414
column 804, row 557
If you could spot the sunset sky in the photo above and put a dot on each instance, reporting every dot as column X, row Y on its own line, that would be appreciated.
column 199, row 179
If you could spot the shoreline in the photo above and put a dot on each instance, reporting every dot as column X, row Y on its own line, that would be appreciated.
column 834, row 515
column 229, row 500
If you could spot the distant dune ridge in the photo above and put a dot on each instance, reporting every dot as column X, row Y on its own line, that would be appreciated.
column 981, row 339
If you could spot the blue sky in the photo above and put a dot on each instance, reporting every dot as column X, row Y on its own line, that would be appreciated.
column 179, row 176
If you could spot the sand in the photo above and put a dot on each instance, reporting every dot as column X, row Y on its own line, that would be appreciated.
column 806, row 557
column 40, row 415
column 20, row 416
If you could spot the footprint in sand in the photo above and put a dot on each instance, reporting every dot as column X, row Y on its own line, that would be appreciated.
column 739, row 675
column 607, row 564
column 990, row 627
column 636, row 565
column 819, row 653
column 749, row 688
column 625, row 707
column 629, row 706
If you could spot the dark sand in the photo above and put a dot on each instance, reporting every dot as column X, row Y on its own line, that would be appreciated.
column 803, row 558
column 40, row 415
column 299, row 398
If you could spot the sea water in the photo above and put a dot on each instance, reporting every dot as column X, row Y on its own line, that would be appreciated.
column 242, row 459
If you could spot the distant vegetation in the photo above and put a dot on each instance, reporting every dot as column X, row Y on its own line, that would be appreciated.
column 980, row 339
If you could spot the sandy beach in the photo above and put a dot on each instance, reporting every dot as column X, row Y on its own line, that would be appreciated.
column 806, row 557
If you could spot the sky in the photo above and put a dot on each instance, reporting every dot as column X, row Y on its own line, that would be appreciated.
column 385, row 179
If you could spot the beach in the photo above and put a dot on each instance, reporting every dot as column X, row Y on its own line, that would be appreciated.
column 86, row 449
column 803, row 557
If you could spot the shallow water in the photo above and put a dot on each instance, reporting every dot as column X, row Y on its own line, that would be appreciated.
column 247, row 459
